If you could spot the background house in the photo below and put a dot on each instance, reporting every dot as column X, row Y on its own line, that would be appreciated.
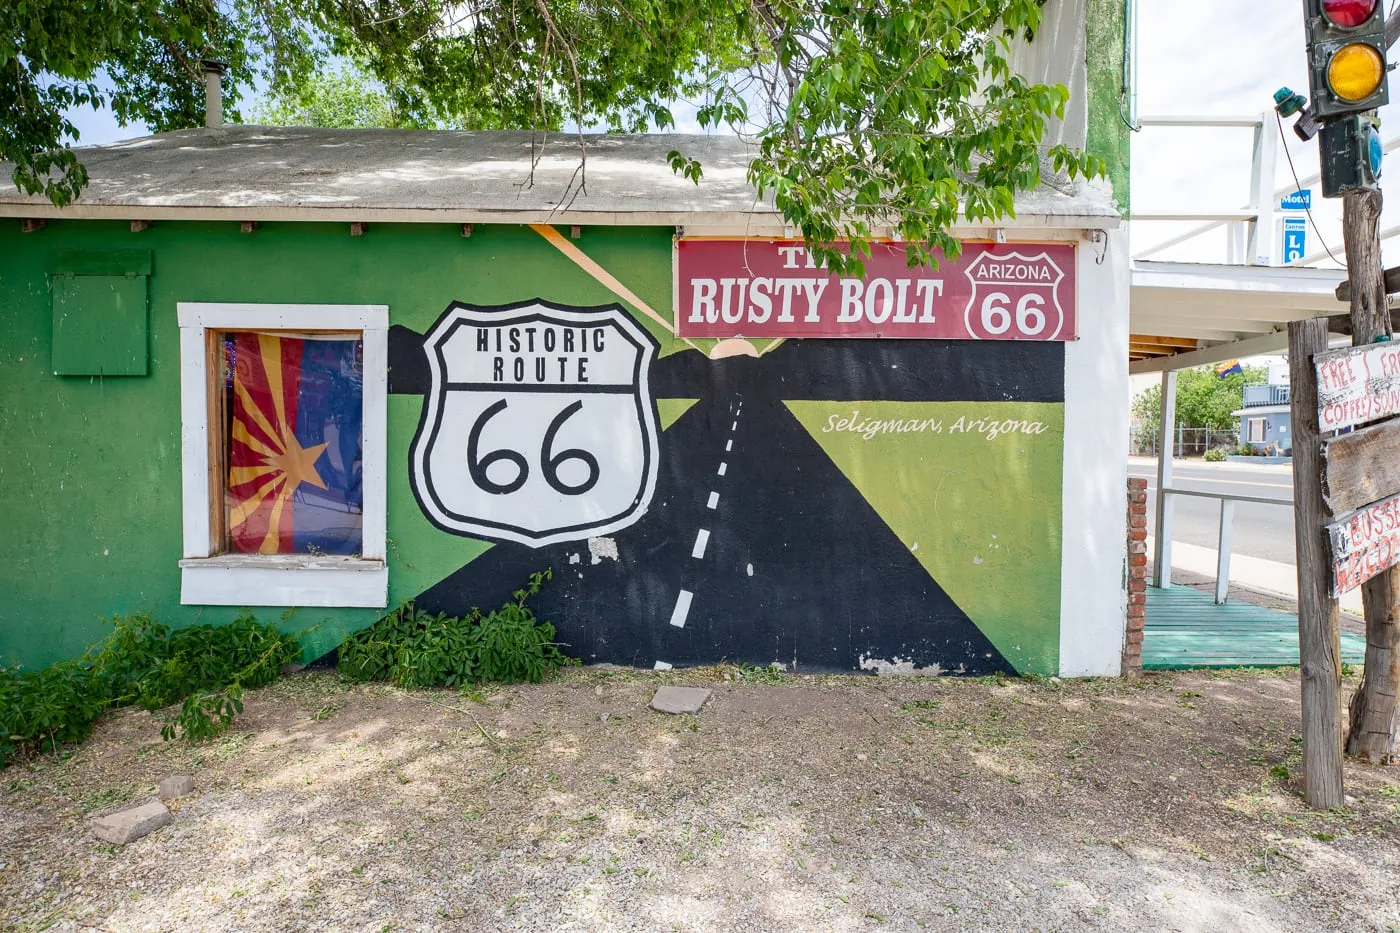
column 1265, row 420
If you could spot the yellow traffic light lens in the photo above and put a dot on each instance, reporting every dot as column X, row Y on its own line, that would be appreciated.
column 1355, row 72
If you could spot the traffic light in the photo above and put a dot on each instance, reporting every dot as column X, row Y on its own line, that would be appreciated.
column 1346, row 56
column 1350, row 149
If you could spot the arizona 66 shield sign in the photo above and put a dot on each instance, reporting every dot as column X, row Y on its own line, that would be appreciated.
column 539, row 426
column 774, row 288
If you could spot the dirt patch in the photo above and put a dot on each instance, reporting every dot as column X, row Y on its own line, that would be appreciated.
column 833, row 803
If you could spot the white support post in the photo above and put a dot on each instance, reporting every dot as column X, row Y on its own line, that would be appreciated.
column 1260, row 250
column 1226, row 542
column 1162, row 551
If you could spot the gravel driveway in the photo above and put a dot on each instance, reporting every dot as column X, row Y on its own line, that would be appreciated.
column 810, row 803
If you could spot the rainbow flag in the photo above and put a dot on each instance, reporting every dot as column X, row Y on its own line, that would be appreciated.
column 294, row 482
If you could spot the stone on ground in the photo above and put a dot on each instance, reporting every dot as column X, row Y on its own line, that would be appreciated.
column 131, row 824
column 679, row 699
column 177, row 785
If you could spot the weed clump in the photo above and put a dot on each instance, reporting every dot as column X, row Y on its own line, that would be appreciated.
column 141, row 662
column 416, row 649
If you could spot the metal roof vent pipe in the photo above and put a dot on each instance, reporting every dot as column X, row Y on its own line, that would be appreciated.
column 213, row 93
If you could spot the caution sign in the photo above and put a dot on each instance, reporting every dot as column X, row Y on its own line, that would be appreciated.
column 539, row 425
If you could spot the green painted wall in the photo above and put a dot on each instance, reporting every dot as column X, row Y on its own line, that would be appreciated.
column 1109, row 136
column 963, row 529
column 90, row 490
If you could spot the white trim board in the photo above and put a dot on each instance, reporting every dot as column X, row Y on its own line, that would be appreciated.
column 281, row 580
column 1094, row 546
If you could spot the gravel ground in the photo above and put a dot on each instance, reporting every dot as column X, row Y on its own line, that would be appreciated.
column 831, row 803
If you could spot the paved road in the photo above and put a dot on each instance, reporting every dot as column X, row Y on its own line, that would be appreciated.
column 1260, row 530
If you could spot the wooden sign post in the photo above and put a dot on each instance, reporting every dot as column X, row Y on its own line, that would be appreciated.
column 1319, row 624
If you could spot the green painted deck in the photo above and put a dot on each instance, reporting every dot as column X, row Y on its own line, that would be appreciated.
column 1186, row 629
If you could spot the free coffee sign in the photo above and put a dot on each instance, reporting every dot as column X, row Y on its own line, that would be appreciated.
column 773, row 288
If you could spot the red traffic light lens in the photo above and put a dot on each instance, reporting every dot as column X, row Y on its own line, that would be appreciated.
column 1348, row 14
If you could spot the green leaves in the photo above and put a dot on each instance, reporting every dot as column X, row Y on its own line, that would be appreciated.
column 415, row 649
column 203, row 716
column 901, row 118
column 1203, row 399
column 873, row 118
column 52, row 51
column 143, row 662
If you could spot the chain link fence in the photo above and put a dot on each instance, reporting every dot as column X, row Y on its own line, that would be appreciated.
column 1190, row 442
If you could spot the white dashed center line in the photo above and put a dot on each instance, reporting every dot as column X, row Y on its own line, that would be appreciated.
column 714, row 501
column 723, row 468
column 701, row 539
column 682, row 608
column 733, row 426
column 729, row 446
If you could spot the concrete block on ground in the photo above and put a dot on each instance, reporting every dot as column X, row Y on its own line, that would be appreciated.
column 177, row 785
column 124, row 826
column 679, row 699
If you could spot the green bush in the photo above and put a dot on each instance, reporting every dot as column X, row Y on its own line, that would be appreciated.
column 416, row 649
column 1214, row 455
column 142, row 662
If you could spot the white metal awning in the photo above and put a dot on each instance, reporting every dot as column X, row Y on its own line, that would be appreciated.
column 1190, row 314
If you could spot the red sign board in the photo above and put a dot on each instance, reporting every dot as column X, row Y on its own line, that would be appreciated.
column 773, row 288
column 1357, row 384
column 1364, row 544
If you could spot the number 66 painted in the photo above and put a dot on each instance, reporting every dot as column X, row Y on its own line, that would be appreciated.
column 539, row 425
column 1014, row 297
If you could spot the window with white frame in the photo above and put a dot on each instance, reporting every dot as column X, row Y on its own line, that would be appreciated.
column 283, row 438
column 1256, row 431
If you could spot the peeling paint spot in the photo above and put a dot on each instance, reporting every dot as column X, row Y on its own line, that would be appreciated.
column 574, row 558
column 602, row 547
column 750, row 569
column 899, row 667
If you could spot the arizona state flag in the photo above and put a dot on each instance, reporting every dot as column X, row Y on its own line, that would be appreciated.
column 1228, row 368
column 294, row 444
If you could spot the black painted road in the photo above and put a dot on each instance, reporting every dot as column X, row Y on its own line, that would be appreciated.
column 791, row 564
column 1264, row 531
column 756, row 548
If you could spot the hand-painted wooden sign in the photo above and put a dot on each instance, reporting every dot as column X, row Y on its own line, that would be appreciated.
column 1361, row 466
column 1364, row 544
column 1357, row 384
column 773, row 288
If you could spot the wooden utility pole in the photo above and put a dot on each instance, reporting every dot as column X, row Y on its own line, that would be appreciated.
column 1373, row 707
column 1319, row 636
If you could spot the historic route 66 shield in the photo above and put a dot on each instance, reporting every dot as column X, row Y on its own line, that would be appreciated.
column 1014, row 297
column 539, row 426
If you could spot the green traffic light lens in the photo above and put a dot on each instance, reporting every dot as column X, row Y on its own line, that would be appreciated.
column 1355, row 72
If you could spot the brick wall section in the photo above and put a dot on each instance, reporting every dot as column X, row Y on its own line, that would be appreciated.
column 1137, row 576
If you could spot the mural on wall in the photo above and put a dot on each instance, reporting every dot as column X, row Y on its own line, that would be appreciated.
column 538, row 426
column 887, row 505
